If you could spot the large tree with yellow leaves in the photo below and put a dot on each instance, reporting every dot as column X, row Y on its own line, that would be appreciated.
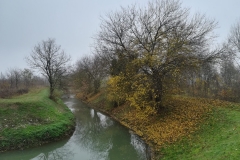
column 147, row 47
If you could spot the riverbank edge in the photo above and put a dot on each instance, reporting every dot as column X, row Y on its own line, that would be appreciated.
column 35, row 141
column 220, row 118
column 151, row 149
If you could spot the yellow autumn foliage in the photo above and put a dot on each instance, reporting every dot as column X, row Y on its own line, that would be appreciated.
column 182, row 117
column 133, row 89
column 116, row 89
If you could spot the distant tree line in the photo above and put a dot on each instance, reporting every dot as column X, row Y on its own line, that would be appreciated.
column 143, row 55
column 17, row 81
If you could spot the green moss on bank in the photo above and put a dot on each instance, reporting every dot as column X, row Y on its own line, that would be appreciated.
column 32, row 120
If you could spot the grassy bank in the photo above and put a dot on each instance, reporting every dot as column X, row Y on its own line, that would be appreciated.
column 217, row 139
column 189, row 128
column 33, row 119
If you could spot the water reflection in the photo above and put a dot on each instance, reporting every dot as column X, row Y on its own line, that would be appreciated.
column 97, row 137
column 104, row 120
column 92, row 113
column 57, row 154
column 70, row 106
column 138, row 144
column 35, row 152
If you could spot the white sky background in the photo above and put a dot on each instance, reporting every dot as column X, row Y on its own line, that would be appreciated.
column 73, row 23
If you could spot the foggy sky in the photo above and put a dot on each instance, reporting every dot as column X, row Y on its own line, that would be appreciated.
column 73, row 23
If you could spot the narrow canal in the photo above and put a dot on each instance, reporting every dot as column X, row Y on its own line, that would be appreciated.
column 97, row 137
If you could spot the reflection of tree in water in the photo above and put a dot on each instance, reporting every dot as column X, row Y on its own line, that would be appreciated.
column 94, row 133
column 139, row 146
column 97, row 134
column 124, row 150
column 62, row 153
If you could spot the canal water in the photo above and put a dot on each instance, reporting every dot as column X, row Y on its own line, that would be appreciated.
column 97, row 137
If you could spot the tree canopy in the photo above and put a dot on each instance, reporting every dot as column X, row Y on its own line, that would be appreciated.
column 152, row 45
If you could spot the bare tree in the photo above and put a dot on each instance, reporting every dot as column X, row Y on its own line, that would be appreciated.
column 27, row 76
column 230, row 65
column 4, row 85
column 14, row 77
column 10, row 77
column 90, row 72
column 17, row 77
column 234, row 37
column 50, row 60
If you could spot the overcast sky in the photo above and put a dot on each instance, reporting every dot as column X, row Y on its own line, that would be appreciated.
column 73, row 23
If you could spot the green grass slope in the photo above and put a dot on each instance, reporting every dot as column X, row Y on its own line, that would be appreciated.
column 217, row 139
column 32, row 120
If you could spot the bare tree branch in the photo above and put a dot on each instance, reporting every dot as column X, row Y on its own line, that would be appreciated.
column 50, row 60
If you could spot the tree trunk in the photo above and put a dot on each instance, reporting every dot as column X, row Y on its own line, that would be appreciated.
column 51, row 92
column 158, row 91
column 96, row 84
column 159, row 106
column 51, row 96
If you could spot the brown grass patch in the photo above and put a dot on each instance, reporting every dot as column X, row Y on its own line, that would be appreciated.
column 13, row 106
